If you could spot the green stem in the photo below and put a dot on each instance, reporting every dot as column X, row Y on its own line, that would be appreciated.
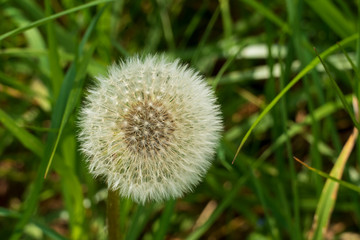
column 113, row 203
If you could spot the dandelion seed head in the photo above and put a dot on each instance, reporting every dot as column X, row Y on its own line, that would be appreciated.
column 150, row 128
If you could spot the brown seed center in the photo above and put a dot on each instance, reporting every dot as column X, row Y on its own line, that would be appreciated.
column 148, row 128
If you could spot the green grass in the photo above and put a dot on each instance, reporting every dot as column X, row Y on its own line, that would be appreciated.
column 279, row 101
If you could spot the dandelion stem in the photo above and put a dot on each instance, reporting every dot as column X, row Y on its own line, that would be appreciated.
column 113, row 215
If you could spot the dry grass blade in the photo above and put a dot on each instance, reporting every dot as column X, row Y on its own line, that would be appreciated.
column 329, row 192
column 205, row 214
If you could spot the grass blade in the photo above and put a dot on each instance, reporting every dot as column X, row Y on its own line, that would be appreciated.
column 9, row 81
column 29, row 141
column 229, row 197
column 309, row 67
column 46, row 230
column 56, row 74
column 327, row 176
column 70, row 105
column 333, row 17
column 206, row 34
column 226, row 66
column 298, row 128
column 71, row 90
column 226, row 18
column 350, row 61
column 194, row 23
column 165, row 219
column 166, row 24
column 340, row 94
column 34, row 145
column 139, row 220
column 57, row 122
column 329, row 193
column 52, row 17
column 71, row 187
column 268, row 14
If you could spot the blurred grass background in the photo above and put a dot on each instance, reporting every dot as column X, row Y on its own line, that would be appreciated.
column 249, row 50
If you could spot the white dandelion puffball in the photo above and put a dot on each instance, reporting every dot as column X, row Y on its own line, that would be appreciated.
column 150, row 128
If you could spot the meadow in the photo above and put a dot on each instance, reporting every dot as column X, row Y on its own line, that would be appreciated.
column 286, row 75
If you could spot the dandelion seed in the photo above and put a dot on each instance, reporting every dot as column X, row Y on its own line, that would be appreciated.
column 165, row 133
